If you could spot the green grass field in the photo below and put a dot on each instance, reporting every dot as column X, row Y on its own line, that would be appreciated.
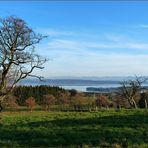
column 75, row 129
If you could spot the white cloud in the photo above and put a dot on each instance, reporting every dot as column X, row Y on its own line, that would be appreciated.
column 64, row 44
column 75, row 44
column 79, row 40
column 97, row 65
column 55, row 33
column 143, row 26
column 84, row 57
column 114, row 37
column 138, row 45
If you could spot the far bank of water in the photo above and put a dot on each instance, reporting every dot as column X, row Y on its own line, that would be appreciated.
column 83, row 88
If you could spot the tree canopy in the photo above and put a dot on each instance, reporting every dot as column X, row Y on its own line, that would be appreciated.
column 18, row 58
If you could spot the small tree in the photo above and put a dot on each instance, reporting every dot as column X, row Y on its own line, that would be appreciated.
column 30, row 102
column 47, row 101
column 131, row 89
column 102, row 101
column 119, row 101
column 90, row 103
column 78, row 101
column 11, row 102
column 63, row 99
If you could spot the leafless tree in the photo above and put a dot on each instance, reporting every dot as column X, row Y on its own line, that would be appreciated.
column 11, row 102
column 17, row 53
column 30, row 102
column 47, row 101
column 131, row 89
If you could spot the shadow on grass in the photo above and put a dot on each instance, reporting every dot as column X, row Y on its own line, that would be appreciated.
column 130, row 129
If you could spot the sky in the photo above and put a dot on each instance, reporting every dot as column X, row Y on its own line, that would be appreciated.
column 87, row 38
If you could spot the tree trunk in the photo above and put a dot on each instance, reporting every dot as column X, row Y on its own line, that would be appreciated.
column 2, row 97
column 1, row 107
column 146, row 105
column 134, row 103
column 130, row 102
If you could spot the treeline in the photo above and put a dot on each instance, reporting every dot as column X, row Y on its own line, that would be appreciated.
column 24, row 92
column 49, row 97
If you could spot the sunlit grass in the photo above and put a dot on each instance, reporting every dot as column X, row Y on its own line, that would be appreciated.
column 72, row 129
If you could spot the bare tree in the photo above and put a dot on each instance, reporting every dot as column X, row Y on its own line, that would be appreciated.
column 78, row 101
column 131, row 89
column 102, row 101
column 17, row 53
column 11, row 102
column 47, row 101
column 30, row 102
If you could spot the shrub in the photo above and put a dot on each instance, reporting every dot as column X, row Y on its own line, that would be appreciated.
column 47, row 101
column 30, row 102
column 102, row 101
column 11, row 102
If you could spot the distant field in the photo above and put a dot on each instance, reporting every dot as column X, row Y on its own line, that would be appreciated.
column 75, row 129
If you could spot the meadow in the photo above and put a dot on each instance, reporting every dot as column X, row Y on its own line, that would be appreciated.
column 104, row 128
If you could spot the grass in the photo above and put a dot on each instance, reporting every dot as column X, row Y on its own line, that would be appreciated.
column 127, row 128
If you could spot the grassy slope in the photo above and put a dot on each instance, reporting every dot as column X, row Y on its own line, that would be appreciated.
column 58, row 129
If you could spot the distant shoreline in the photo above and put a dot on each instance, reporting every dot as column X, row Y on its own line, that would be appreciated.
column 78, row 84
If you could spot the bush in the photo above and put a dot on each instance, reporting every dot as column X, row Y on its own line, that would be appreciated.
column 47, row 101
column 30, row 102
column 10, row 102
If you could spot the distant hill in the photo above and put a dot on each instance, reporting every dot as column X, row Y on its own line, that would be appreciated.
column 67, row 82
column 76, row 82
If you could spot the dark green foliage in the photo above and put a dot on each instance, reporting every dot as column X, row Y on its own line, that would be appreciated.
column 73, row 92
column 24, row 92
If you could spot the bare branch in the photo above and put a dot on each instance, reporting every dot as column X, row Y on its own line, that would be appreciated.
column 17, row 56
column 130, row 88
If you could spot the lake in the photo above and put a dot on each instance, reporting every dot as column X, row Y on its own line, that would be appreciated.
column 77, row 84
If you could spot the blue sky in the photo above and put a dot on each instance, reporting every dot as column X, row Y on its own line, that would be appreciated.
column 88, row 38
